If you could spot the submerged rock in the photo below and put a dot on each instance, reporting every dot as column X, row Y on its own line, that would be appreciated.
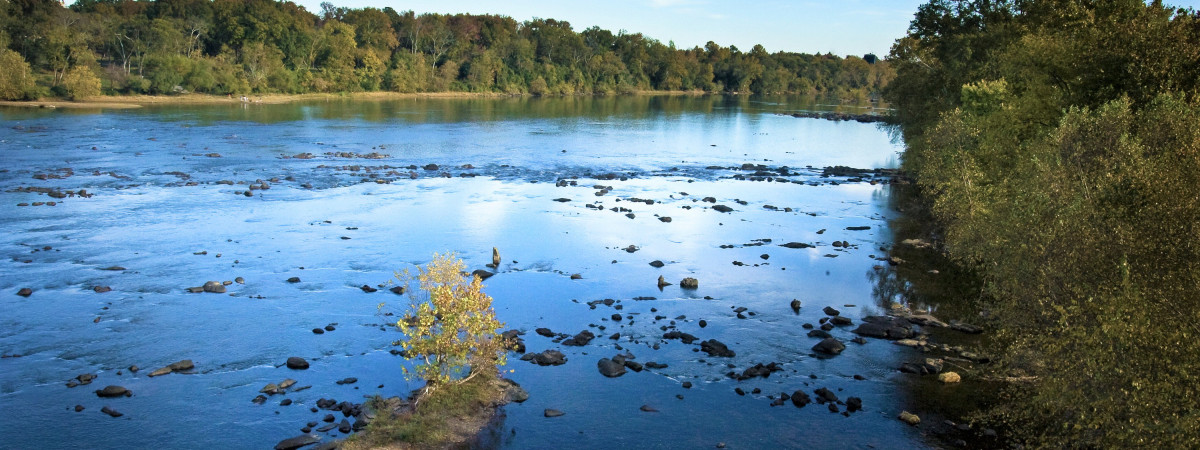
column 829, row 346
column 610, row 368
column 716, row 348
column 113, row 391
column 293, row 443
column 296, row 362
column 110, row 411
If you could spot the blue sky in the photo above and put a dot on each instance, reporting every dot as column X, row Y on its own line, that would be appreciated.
column 842, row 27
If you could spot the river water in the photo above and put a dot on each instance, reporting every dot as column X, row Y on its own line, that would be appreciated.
column 165, row 210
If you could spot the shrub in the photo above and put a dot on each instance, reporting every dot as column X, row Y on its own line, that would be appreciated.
column 80, row 82
column 452, row 325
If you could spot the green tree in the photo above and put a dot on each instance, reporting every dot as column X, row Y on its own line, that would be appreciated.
column 80, row 83
column 452, row 327
column 16, row 78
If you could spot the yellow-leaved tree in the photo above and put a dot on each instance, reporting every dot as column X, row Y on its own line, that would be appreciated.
column 452, row 327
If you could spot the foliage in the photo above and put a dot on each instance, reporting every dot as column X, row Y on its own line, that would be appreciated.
column 452, row 325
column 434, row 423
column 16, row 79
column 223, row 46
column 1058, row 144
column 80, row 82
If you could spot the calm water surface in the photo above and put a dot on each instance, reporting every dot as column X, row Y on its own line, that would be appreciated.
column 339, row 221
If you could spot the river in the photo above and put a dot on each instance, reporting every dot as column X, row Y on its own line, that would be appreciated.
column 350, row 200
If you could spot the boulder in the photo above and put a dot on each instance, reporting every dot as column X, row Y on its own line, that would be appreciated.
column 796, row 245
column 296, row 362
column 715, row 348
column 113, row 391
column 656, row 263
column 495, row 257
column 482, row 274
column 689, row 283
column 853, row 404
column 884, row 327
column 795, row 306
column 214, row 287
column 800, row 398
column 546, row 358
column 552, row 413
column 721, row 208
column 293, row 443
column 662, row 282
column 101, row 289
column 830, row 311
column 110, row 411
column 610, row 368
column 909, row 418
column 949, row 377
column 25, row 292
column 829, row 346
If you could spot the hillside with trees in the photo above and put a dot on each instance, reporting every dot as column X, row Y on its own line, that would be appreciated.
column 1058, row 144
column 239, row 47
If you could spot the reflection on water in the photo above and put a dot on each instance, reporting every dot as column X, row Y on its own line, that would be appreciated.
column 169, row 206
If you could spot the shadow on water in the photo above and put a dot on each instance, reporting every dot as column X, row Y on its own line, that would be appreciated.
column 921, row 277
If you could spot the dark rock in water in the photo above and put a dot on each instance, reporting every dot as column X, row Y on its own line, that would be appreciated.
column 285, row 402
column 913, row 368
column 703, row 323
column 859, row 340
column 85, row 378
column 552, row 413
column 296, row 362
column 610, row 368
column 101, row 289
column 648, row 408
column 862, row 228
column 110, row 411
column 260, row 399
column 616, row 317
column 686, row 384
column 722, row 208
column 214, row 287
column 885, row 327
column 576, row 276
column 656, row 263
column 182, row 365
column 430, row 167
column 662, row 282
column 113, row 391
column 114, row 268
column 562, row 200
column 25, row 292
column 482, row 274
column 819, row 334
column 829, row 346
column 348, row 380
column 715, row 348
column 853, row 404
column 318, row 331
column 368, row 289
column 344, row 426
column 795, row 305
column 654, row 365
column 633, row 365
column 544, row 332
column 825, row 395
column 796, row 245
column 293, row 280
column 800, row 398
column 689, row 283
column 676, row 334
column 293, row 443
column 79, row 408
column 830, row 311
column 326, row 428
column 398, row 290
column 841, row 321
column 546, row 358
column 665, row 219
column 329, row 328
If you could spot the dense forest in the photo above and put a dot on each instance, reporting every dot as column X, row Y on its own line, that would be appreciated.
column 265, row 46
column 1058, row 144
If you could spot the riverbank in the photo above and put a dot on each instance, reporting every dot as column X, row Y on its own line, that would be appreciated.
column 138, row 101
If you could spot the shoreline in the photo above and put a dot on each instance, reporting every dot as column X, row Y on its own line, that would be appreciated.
column 139, row 101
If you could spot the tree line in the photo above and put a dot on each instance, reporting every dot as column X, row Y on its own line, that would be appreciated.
column 267, row 46
column 1058, row 144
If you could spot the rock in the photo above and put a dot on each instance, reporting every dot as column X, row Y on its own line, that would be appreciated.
column 715, row 348
column 829, row 346
column 796, row 245
column 795, row 306
column 610, row 368
column 79, row 408
column 908, row 342
column 819, row 334
column 239, row 280
column 576, row 276
column 318, row 331
column 110, row 411
column 722, row 208
column 800, row 398
column 368, row 289
column 853, row 404
column 965, row 327
column 398, row 290
column 825, row 395
column 101, row 289
column 214, row 287
column 689, row 283
column 884, row 327
column 665, row 219
column 296, row 362
column 25, row 292
column 430, row 167
column 830, row 311
column 841, row 321
column 676, row 334
column 949, row 377
column 482, row 274
column 344, row 426
column 656, row 264
column 648, row 408
column 862, row 228
column 546, row 358
column 514, row 393
column 348, row 380
column 909, row 418
column 552, row 413
column 495, row 258
column 114, row 268
column 293, row 280
column 85, row 378
column 297, row 442
column 544, row 332
column 160, row 371
column 633, row 365
column 269, row 389
column 663, row 282
column 113, row 391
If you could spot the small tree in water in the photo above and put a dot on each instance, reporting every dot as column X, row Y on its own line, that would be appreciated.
column 452, row 326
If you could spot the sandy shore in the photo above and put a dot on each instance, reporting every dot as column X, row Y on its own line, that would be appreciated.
column 138, row 101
